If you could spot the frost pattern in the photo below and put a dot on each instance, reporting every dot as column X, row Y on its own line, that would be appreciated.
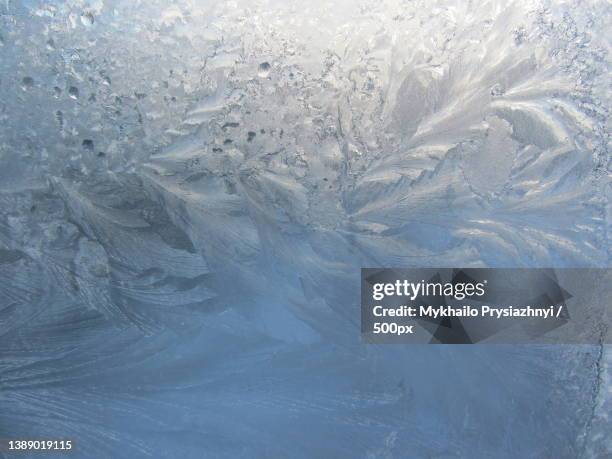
column 188, row 190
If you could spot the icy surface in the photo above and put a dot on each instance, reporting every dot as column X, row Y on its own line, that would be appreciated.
column 188, row 190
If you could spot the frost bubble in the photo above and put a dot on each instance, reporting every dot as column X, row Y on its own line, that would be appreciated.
column 27, row 83
column 264, row 70
column 87, row 19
